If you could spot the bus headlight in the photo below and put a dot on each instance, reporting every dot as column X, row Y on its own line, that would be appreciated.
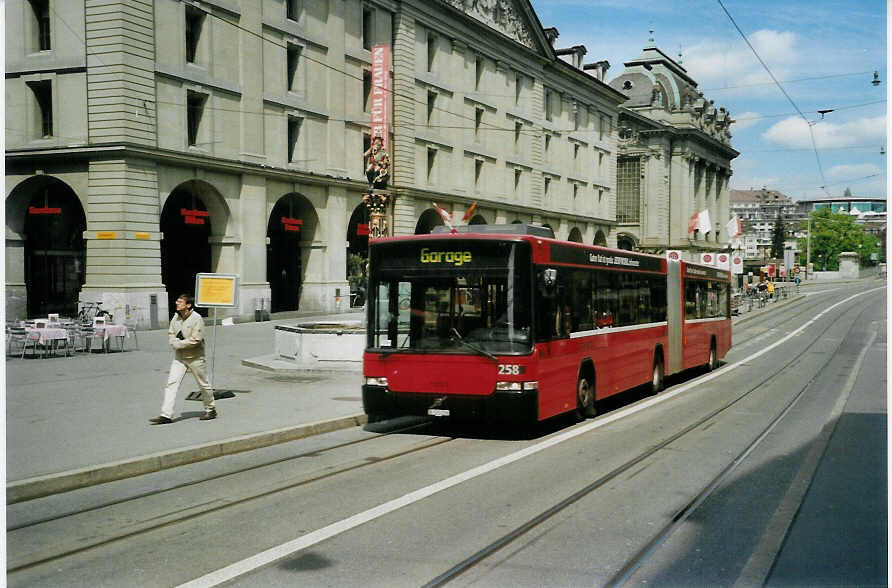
column 376, row 382
column 516, row 387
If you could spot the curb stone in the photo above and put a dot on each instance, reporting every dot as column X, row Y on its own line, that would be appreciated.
column 40, row 486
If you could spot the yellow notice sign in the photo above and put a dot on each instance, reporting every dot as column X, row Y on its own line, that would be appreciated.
column 216, row 290
column 145, row 236
column 106, row 235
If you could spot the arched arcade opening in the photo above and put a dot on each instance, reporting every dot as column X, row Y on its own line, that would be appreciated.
column 45, row 247
column 626, row 242
column 429, row 219
column 290, row 232
column 185, row 247
column 358, row 253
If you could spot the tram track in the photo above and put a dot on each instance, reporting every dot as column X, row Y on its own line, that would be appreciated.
column 214, row 506
column 649, row 547
column 218, row 506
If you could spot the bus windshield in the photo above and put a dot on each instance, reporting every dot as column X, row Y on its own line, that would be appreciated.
column 460, row 296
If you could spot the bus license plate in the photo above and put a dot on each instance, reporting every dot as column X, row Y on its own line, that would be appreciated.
column 438, row 412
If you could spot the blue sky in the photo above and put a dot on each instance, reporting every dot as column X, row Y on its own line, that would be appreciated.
column 841, row 42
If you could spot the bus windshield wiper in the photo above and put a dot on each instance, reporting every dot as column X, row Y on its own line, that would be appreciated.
column 456, row 336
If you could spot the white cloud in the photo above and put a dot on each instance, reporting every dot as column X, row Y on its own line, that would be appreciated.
column 853, row 171
column 753, row 182
column 715, row 63
column 793, row 133
column 745, row 120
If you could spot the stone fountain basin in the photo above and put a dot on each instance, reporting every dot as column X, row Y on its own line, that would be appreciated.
column 316, row 343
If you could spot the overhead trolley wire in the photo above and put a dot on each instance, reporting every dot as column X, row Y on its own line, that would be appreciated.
column 811, row 133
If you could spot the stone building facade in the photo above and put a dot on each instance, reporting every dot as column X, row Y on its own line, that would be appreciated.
column 673, row 159
column 758, row 211
column 151, row 140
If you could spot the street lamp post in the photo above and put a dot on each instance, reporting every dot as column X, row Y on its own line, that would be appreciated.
column 808, row 248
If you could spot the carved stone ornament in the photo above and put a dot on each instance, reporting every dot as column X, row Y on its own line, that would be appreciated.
column 501, row 15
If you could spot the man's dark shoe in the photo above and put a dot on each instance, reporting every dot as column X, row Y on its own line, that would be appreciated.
column 160, row 420
column 208, row 415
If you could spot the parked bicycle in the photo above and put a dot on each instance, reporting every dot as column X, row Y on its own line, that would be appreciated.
column 90, row 310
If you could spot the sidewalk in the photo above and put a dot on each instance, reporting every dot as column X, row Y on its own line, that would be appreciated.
column 83, row 420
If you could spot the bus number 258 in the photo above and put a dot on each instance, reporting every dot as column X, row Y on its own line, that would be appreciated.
column 511, row 369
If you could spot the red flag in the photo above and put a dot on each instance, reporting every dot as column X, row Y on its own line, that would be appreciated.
column 470, row 212
column 447, row 218
column 694, row 222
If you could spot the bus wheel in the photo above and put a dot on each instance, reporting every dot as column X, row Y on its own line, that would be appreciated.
column 713, row 362
column 585, row 399
column 656, row 382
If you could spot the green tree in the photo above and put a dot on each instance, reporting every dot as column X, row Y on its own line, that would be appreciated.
column 835, row 232
column 778, row 236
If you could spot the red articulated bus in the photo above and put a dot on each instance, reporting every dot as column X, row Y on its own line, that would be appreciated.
column 507, row 323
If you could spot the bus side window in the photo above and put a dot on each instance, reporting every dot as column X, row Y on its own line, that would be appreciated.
column 690, row 299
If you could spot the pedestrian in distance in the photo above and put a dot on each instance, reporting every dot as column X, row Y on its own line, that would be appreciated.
column 186, row 336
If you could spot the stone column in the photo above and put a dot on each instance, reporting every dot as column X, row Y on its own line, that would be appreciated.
column 404, row 104
column 123, row 240
column 849, row 265
column 254, row 288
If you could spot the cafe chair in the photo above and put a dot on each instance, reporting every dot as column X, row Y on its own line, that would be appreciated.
column 15, row 336
column 75, row 337
column 88, row 336
column 131, row 331
column 32, row 340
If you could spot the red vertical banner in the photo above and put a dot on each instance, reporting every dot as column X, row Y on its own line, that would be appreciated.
column 380, row 108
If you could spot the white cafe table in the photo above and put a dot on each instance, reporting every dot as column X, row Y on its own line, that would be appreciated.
column 47, row 336
column 108, row 331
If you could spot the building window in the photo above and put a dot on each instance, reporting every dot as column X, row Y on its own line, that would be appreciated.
column 478, row 172
column 478, row 120
column 431, row 107
column 366, row 145
column 547, row 147
column 43, row 95
column 577, row 114
column 600, row 195
column 628, row 189
column 575, row 191
column 478, row 72
column 194, row 110
column 601, row 124
column 548, row 113
column 431, row 51
column 368, row 28
column 600, row 164
column 431, row 163
column 517, row 173
column 292, row 10
column 293, row 58
column 518, row 127
column 294, row 125
column 194, row 23
column 575, row 152
column 547, row 187
column 41, row 9
column 366, row 90
column 518, row 85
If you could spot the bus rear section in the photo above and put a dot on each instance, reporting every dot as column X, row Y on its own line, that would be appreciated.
column 449, row 330
column 705, row 326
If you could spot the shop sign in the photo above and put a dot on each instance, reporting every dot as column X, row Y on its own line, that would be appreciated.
column 44, row 210
column 291, row 224
column 194, row 217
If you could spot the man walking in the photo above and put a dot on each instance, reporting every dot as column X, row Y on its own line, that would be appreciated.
column 186, row 335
